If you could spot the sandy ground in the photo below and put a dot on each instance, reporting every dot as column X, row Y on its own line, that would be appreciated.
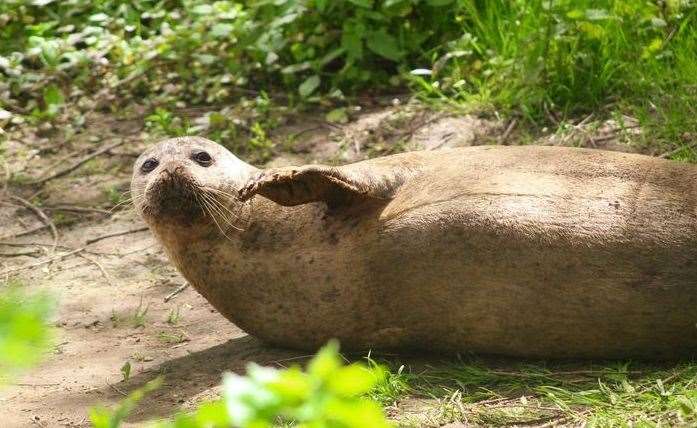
column 111, row 293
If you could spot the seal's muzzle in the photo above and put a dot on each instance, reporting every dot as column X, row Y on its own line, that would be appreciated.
column 174, row 194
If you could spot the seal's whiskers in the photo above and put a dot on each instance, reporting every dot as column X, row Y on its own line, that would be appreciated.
column 222, row 205
column 218, row 207
column 211, row 209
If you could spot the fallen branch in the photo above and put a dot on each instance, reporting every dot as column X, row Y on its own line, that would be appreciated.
column 112, row 235
column 77, row 164
column 41, row 263
column 174, row 293
column 35, row 384
column 116, row 389
column 100, row 267
column 32, row 253
column 42, row 216
column 74, row 208
column 508, row 131
column 65, row 247
column 26, row 232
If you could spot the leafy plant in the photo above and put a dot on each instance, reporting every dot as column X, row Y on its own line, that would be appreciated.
column 105, row 418
column 139, row 316
column 174, row 315
column 24, row 334
column 164, row 122
column 327, row 394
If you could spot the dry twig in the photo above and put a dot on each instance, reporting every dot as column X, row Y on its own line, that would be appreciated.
column 508, row 131
column 75, row 208
column 100, row 267
column 42, row 216
column 41, row 263
column 77, row 164
column 112, row 235
column 25, row 232
column 116, row 389
column 32, row 253
column 174, row 293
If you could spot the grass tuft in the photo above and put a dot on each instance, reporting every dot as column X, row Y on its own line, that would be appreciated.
column 491, row 392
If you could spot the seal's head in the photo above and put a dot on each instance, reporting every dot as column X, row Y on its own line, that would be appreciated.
column 186, row 181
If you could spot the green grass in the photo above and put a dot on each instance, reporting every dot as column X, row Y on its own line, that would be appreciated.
column 545, row 61
column 492, row 392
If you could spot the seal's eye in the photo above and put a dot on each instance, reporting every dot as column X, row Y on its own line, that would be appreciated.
column 149, row 165
column 202, row 158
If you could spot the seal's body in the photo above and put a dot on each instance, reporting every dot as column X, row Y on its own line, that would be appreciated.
column 523, row 251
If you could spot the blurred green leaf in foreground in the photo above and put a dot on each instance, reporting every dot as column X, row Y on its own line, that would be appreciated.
column 24, row 334
column 328, row 394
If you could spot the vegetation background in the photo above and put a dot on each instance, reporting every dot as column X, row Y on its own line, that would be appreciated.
column 613, row 74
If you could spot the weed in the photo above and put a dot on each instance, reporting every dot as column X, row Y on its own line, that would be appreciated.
column 260, row 143
column 172, row 337
column 115, row 319
column 166, row 123
column 126, row 371
column 174, row 316
column 140, row 314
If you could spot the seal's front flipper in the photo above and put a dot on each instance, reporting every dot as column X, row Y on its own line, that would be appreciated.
column 311, row 183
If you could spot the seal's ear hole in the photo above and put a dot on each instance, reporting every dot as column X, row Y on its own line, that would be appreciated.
column 149, row 165
column 202, row 158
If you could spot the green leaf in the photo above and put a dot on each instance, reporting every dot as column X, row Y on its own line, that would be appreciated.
column 202, row 9
column 213, row 413
column 293, row 386
column 351, row 381
column 99, row 17
column 338, row 115
column 221, row 30
column 653, row 47
column 575, row 14
column 658, row 22
column 400, row 8
column 384, row 45
column 596, row 14
column 321, row 5
column 439, row 3
column 309, row 86
column 326, row 362
column 53, row 95
column 594, row 31
column 24, row 335
column 331, row 56
column 352, row 40
column 53, row 99
column 356, row 414
column 367, row 4
column 294, row 68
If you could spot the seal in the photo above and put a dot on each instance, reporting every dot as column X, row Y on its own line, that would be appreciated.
column 523, row 251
